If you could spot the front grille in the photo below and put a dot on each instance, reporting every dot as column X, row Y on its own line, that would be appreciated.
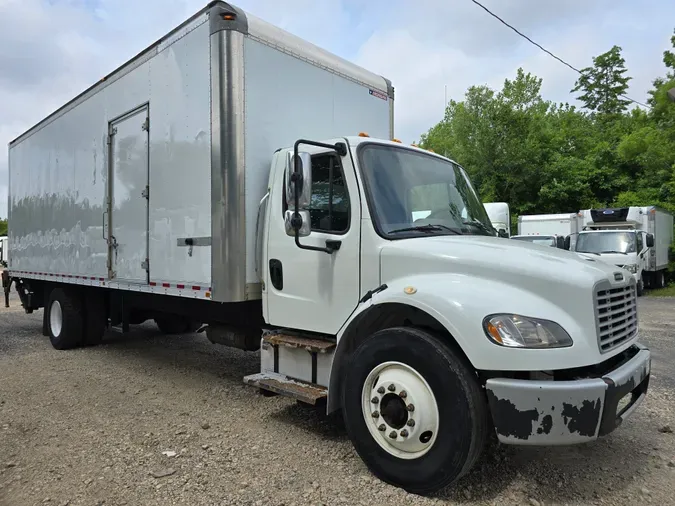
column 615, row 316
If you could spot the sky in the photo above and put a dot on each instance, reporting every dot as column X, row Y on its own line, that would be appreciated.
column 51, row 50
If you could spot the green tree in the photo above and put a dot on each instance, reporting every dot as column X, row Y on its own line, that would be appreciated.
column 604, row 85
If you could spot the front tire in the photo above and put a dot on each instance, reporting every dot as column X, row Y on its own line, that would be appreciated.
column 640, row 288
column 414, row 410
column 66, row 319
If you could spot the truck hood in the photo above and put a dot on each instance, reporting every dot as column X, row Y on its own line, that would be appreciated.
column 529, row 266
column 612, row 258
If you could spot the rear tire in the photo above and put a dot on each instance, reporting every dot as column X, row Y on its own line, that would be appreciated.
column 173, row 324
column 430, row 422
column 66, row 319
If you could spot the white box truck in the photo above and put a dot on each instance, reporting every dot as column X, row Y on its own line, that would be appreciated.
column 635, row 238
column 213, row 181
column 500, row 217
column 556, row 230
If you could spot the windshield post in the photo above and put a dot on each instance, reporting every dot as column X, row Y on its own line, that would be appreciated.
column 412, row 193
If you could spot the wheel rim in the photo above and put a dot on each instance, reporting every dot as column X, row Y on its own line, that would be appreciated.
column 400, row 410
column 56, row 318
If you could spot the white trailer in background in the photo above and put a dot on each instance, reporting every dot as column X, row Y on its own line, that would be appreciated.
column 635, row 238
column 500, row 217
column 216, row 180
column 557, row 230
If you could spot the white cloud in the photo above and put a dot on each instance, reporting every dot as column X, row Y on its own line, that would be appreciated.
column 51, row 50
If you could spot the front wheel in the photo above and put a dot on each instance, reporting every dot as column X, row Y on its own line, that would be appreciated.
column 640, row 288
column 413, row 410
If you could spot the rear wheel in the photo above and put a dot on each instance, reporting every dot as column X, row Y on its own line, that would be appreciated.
column 414, row 410
column 66, row 319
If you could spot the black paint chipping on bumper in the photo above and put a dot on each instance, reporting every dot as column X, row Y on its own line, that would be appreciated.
column 530, row 412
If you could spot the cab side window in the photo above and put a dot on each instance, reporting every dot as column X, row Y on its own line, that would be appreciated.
column 639, row 242
column 329, row 207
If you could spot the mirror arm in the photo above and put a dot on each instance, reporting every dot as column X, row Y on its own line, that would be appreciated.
column 341, row 149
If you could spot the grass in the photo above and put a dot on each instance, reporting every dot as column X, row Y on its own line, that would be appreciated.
column 668, row 291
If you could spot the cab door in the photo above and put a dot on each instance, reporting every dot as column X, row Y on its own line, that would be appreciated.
column 314, row 290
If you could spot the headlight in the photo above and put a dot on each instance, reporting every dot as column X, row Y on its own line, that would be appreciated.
column 515, row 331
column 631, row 268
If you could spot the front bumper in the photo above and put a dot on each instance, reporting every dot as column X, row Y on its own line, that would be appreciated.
column 530, row 412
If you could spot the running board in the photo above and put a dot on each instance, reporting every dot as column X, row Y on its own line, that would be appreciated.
column 283, row 385
column 312, row 345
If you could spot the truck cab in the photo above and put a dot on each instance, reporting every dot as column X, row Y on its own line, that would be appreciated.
column 385, row 284
column 614, row 236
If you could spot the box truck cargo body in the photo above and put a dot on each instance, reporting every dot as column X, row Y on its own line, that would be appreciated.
column 635, row 238
column 235, row 179
column 552, row 226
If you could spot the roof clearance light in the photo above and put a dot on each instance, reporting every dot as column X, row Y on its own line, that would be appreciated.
column 431, row 150
column 363, row 134
column 395, row 140
column 229, row 17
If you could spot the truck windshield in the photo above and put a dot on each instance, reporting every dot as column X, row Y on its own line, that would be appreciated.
column 619, row 241
column 544, row 240
column 412, row 194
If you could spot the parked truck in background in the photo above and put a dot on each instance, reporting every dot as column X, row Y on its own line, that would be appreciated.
column 215, row 181
column 556, row 230
column 635, row 238
column 4, row 250
column 500, row 217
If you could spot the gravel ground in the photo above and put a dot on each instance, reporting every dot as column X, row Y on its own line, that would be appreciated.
column 151, row 419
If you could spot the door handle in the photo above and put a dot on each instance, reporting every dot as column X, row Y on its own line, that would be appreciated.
column 105, row 213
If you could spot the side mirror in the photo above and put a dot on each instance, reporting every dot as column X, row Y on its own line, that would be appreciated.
column 560, row 242
column 297, row 221
column 502, row 233
column 298, row 183
column 568, row 242
column 650, row 240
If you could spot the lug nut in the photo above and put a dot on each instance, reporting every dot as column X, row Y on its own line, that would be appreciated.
column 410, row 423
column 382, row 427
column 393, row 434
column 410, row 407
column 404, row 433
column 380, row 390
column 376, row 414
column 392, row 388
column 374, row 400
column 403, row 394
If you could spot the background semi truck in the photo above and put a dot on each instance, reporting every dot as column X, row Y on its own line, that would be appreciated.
column 560, row 230
column 635, row 238
column 500, row 217
column 212, row 182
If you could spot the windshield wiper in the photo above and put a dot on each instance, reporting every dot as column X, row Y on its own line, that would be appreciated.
column 589, row 252
column 425, row 228
column 614, row 251
column 479, row 225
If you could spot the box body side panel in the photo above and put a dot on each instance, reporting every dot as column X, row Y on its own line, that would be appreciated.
column 59, row 172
